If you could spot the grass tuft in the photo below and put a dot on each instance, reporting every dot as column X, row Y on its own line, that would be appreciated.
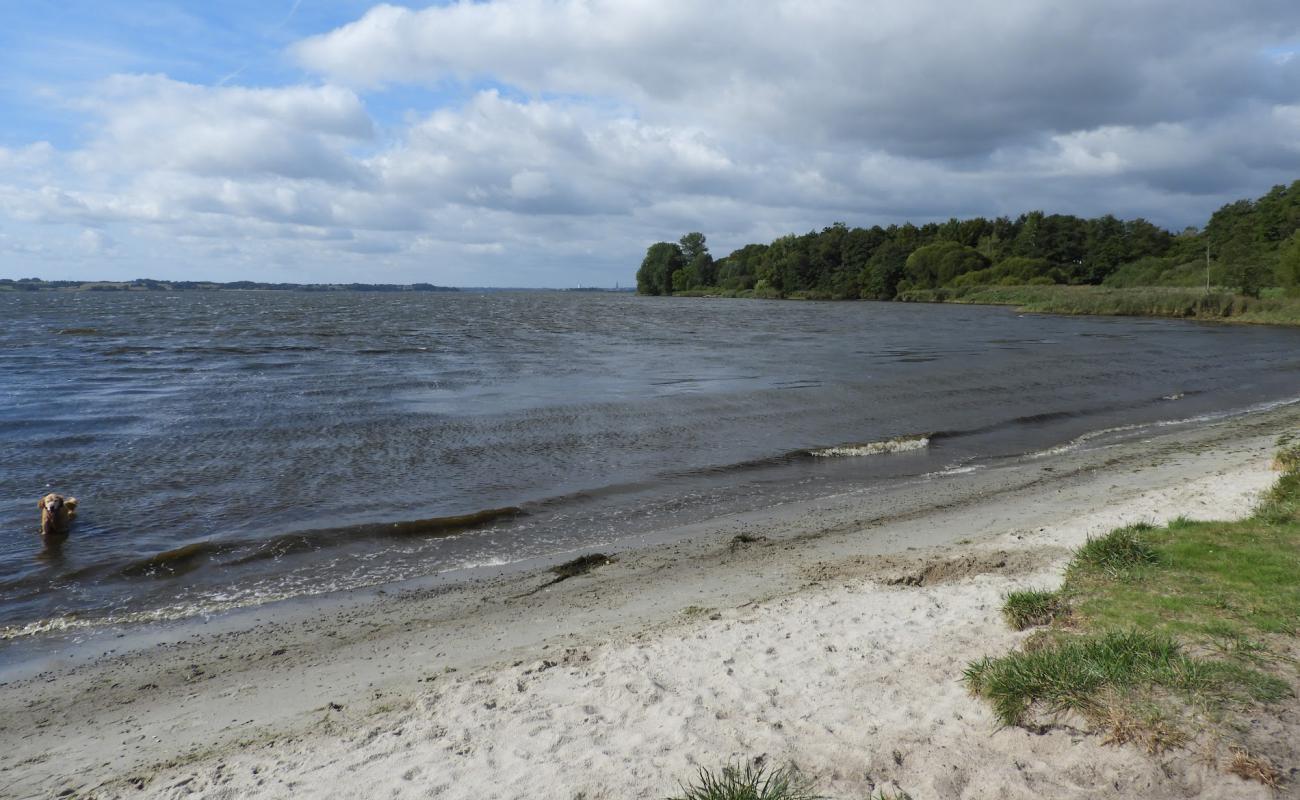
column 1287, row 459
column 1118, row 552
column 749, row 782
column 1031, row 607
column 1281, row 504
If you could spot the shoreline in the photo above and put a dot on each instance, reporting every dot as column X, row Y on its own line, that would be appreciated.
column 195, row 707
column 1163, row 302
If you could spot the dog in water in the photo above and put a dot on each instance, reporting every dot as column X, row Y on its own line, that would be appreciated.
column 57, row 512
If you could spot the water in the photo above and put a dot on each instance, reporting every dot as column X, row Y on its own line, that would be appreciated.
column 230, row 448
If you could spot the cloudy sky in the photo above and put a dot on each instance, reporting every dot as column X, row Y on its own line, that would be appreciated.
column 548, row 142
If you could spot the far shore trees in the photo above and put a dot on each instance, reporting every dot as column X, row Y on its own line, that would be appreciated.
column 669, row 267
column 1253, row 245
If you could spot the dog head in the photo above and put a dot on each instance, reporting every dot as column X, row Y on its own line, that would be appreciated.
column 51, row 504
column 56, row 514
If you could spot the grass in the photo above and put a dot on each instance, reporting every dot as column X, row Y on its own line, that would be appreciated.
column 1148, row 301
column 1287, row 459
column 1118, row 553
column 1161, row 634
column 1032, row 607
column 1084, row 673
column 748, row 782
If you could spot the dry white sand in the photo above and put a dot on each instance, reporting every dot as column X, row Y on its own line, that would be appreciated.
column 837, row 644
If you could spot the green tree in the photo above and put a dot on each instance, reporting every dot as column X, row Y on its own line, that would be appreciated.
column 1246, row 271
column 884, row 271
column 693, row 246
column 1288, row 265
column 695, row 254
column 655, row 276
column 1105, row 248
column 1146, row 240
column 936, row 264
column 739, row 270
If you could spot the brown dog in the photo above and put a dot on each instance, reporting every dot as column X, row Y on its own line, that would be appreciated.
column 57, row 512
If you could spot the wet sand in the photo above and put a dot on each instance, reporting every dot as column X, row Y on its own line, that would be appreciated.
column 834, row 638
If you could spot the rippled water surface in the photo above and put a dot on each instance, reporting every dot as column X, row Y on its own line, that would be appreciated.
column 233, row 447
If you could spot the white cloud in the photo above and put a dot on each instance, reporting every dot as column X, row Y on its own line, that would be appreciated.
column 95, row 242
column 926, row 76
column 151, row 122
column 613, row 124
column 25, row 159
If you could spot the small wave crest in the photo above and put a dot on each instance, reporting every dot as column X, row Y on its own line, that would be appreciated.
column 1142, row 427
column 73, row 622
column 898, row 444
column 951, row 471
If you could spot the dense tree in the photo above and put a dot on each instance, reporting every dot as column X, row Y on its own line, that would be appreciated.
column 739, row 270
column 693, row 246
column 1105, row 248
column 656, row 273
column 1252, row 243
column 1288, row 264
column 936, row 264
column 883, row 273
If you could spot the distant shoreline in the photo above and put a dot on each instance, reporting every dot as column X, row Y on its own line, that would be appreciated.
column 150, row 285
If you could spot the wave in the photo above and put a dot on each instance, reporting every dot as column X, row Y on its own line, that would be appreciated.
column 203, row 607
column 76, row 622
column 899, row 444
column 1213, row 416
column 237, row 552
column 1048, row 417
column 951, row 471
column 169, row 563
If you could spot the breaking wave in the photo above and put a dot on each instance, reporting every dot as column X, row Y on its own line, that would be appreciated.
column 898, row 444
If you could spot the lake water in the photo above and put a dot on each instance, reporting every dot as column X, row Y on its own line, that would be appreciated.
column 230, row 448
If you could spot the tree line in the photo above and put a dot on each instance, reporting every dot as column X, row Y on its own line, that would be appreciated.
column 1247, row 245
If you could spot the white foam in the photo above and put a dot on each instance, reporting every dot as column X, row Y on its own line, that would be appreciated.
column 72, row 622
column 944, row 473
column 898, row 445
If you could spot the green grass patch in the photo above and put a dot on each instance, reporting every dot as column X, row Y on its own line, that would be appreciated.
column 1157, row 629
column 748, row 782
column 1072, row 675
column 1205, row 582
column 1025, row 609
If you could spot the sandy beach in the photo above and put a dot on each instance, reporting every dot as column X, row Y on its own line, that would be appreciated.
column 831, row 635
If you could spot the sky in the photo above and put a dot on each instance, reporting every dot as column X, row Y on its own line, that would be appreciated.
column 549, row 142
